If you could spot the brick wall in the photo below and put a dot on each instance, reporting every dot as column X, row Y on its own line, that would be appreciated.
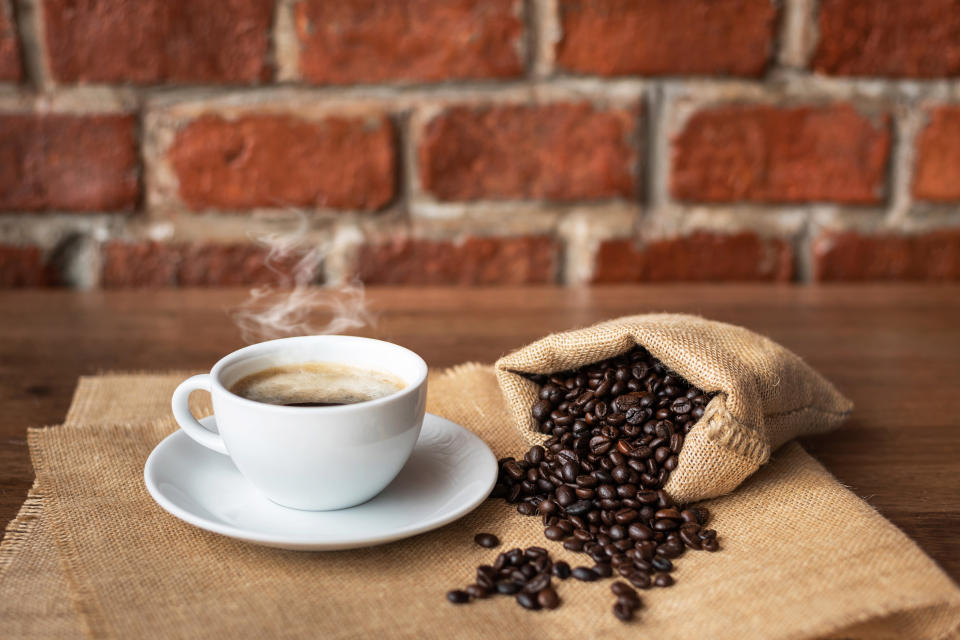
column 154, row 142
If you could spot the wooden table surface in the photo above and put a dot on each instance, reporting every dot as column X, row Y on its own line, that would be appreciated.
column 895, row 350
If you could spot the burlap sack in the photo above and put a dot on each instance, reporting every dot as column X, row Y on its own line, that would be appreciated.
column 766, row 395
column 802, row 558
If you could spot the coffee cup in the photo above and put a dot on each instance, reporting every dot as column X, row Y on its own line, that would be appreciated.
column 315, row 458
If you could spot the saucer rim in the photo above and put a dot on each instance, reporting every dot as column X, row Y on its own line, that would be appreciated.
column 299, row 542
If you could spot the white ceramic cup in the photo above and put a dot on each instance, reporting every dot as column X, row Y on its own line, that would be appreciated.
column 312, row 458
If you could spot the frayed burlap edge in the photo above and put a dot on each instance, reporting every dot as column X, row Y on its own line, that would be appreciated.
column 19, row 529
column 82, row 595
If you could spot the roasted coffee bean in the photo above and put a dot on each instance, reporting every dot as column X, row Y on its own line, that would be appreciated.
column 640, row 579
column 512, row 469
column 585, row 574
column 681, row 405
column 508, row 587
column 565, row 496
column 526, row 509
column 603, row 569
column 548, row 598
column 676, row 442
column 527, row 600
column 620, row 588
column 458, row 597
column 547, row 507
column 661, row 564
column 561, row 569
column 573, row 545
column 541, row 410
column 579, row 508
column 663, row 580
column 487, row 540
column 537, row 583
column 623, row 612
column 711, row 544
column 477, row 591
column 690, row 538
column 554, row 533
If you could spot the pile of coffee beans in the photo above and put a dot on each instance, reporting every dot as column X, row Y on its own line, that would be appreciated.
column 526, row 574
column 616, row 430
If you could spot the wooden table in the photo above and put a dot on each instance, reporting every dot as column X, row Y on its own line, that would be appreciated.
column 894, row 350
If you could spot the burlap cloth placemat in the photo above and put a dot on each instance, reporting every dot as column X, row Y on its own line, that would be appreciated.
column 802, row 556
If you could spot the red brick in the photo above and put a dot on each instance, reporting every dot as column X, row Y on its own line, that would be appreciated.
column 556, row 151
column 363, row 41
column 10, row 69
column 215, row 265
column 56, row 161
column 752, row 153
column 156, row 41
column 654, row 37
column 474, row 261
column 854, row 257
column 154, row 264
column 937, row 169
column 282, row 160
column 697, row 257
column 24, row 267
column 903, row 38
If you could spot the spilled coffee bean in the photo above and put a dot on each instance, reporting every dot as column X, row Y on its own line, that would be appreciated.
column 526, row 574
column 487, row 540
column 616, row 429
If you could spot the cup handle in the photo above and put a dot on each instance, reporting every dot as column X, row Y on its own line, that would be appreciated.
column 190, row 425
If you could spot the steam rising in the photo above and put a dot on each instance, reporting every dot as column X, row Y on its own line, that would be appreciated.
column 295, row 307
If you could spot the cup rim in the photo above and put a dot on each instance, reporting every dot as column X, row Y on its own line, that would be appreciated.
column 411, row 388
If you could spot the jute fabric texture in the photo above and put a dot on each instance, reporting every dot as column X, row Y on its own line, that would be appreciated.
column 766, row 395
column 802, row 557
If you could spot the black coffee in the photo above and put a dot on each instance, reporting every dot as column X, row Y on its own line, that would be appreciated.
column 316, row 384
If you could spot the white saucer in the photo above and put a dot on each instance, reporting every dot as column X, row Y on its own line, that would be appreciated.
column 449, row 474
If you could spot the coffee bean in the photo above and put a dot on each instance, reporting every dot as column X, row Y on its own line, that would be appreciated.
column 477, row 591
column 565, row 496
column 527, row 600
column 548, row 598
column 690, row 538
column 640, row 579
column 561, row 569
column 487, row 540
column 603, row 569
column 554, row 533
column 622, row 612
column 526, row 509
column 535, row 455
column 541, row 410
column 573, row 545
column 663, row 580
column 508, row 587
column 662, row 564
column 457, row 596
column 620, row 588
column 512, row 469
column 579, row 508
column 585, row 574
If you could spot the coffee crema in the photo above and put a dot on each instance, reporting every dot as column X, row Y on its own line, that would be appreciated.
column 316, row 384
